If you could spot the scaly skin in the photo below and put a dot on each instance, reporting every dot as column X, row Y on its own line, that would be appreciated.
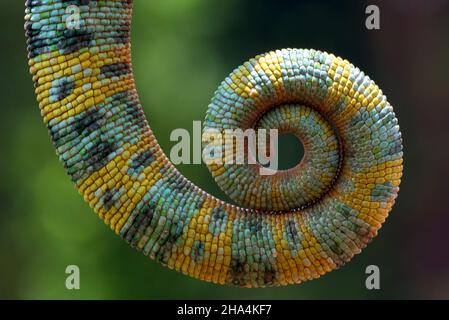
column 296, row 225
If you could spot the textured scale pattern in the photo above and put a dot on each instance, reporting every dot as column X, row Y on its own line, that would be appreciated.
column 293, row 226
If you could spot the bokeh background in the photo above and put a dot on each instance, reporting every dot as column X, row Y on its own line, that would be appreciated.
column 182, row 50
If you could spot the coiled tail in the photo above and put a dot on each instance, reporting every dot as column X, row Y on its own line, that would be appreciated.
column 293, row 226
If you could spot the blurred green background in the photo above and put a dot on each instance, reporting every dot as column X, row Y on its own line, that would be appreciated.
column 182, row 49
